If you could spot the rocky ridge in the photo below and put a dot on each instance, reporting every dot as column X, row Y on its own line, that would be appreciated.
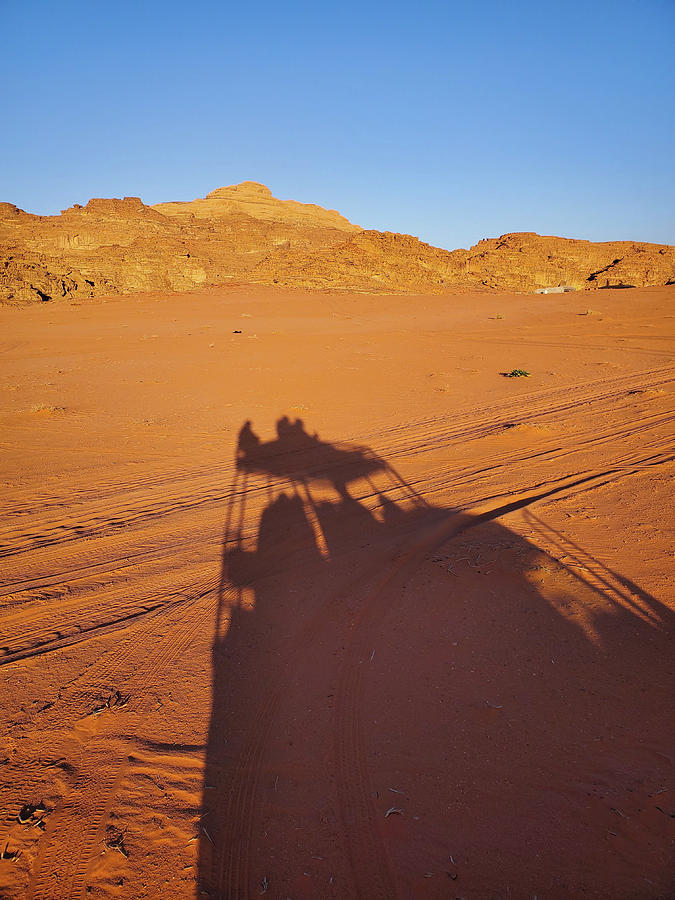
column 521, row 262
column 243, row 234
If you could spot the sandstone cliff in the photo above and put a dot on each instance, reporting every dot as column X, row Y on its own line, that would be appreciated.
column 256, row 200
column 242, row 233
column 375, row 261
column 122, row 246
column 526, row 261
column 368, row 261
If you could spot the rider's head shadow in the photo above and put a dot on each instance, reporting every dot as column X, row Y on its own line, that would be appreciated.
column 300, row 458
column 302, row 464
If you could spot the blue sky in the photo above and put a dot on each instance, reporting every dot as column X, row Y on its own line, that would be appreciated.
column 451, row 121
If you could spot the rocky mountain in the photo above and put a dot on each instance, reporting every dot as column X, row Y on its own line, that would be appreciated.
column 243, row 234
column 255, row 200
column 122, row 246
column 376, row 261
column 526, row 261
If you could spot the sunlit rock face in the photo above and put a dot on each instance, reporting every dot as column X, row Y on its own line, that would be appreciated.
column 376, row 261
column 242, row 233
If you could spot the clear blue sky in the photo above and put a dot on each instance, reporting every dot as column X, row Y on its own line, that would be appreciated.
column 448, row 120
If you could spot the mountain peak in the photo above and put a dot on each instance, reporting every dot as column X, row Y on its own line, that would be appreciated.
column 248, row 188
column 256, row 201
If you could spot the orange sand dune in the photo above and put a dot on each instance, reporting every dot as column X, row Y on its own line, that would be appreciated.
column 301, row 596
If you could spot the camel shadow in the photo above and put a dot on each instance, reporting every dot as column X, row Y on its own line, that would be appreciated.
column 402, row 691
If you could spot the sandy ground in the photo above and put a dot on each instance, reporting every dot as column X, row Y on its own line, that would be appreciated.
column 415, row 645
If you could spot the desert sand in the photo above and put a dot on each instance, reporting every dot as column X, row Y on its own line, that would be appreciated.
column 302, row 597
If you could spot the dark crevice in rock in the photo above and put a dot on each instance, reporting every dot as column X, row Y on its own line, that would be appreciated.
column 41, row 294
column 594, row 275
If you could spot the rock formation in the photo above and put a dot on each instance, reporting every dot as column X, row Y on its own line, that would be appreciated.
column 376, row 261
column 242, row 233
column 255, row 200
column 526, row 261
column 122, row 246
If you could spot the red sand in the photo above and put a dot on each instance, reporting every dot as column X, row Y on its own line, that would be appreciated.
column 422, row 655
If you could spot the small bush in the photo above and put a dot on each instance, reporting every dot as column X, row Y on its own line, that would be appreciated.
column 46, row 408
column 516, row 373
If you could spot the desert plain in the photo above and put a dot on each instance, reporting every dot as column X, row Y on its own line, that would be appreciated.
column 302, row 597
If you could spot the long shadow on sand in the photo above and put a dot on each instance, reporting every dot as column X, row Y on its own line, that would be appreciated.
column 406, row 696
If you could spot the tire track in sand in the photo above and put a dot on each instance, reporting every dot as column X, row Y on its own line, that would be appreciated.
column 74, row 828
